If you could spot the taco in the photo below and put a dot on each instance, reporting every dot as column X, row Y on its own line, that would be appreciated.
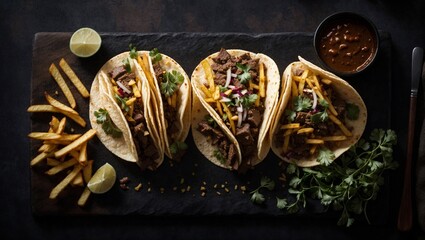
column 319, row 117
column 171, row 91
column 120, row 112
column 239, row 90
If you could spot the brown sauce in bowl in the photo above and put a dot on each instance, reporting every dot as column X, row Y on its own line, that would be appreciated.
column 347, row 45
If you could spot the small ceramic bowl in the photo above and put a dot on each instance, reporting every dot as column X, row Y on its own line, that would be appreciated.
column 346, row 43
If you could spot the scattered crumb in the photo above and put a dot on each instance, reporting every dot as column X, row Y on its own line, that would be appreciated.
column 138, row 187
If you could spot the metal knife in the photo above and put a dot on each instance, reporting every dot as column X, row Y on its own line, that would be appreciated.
column 405, row 212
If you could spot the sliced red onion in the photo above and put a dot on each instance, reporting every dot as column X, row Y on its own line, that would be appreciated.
column 240, row 108
column 228, row 77
column 225, row 99
column 239, row 119
column 234, row 75
column 231, row 87
column 244, row 91
column 314, row 99
column 123, row 87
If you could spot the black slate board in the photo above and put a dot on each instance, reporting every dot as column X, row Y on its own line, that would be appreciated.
column 374, row 85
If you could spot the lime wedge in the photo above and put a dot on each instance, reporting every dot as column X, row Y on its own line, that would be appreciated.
column 103, row 179
column 85, row 42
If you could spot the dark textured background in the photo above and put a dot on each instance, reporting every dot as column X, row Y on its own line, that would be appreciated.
column 20, row 20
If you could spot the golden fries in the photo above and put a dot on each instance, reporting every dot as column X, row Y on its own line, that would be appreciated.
column 62, row 84
column 62, row 166
column 74, row 79
column 49, row 108
column 55, row 103
column 84, row 138
column 55, row 192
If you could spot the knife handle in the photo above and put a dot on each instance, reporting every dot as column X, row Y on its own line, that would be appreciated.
column 405, row 212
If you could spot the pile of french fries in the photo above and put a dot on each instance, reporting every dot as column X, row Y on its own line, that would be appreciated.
column 61, row 150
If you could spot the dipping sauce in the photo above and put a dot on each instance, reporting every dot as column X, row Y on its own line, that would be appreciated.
column 346, row 44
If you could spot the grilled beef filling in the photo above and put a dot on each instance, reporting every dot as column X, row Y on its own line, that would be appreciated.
column 146, row 149
column 242, row 101
column 226, row 150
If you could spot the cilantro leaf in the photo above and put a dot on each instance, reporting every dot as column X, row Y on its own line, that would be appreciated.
column 257, row 198
column 245, row 76
column 325, row 156
column 133, row 51
column 302, row 103
column 122, row 103
column 281, row 203
column 248, row 100
column 102, row 117
column 320, row 117
column 127, row 65
column 171, row 82
column 352, row 111
column 290, row 115
column 155, row 55
column 266, row 182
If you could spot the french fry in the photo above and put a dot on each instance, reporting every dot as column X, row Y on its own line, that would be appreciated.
column 44, row 135
column 290, row 125
column 326, row 81
column 313, row 149
column 262, row 84
column 84, row 197
column 301, row 86
column 54, row 124
column 294, row 89
column 39, row 158
column 58, row 189
column 61, row 126
column 84, row 138
column 229, row 116
column 52, row 162
column 314, row 141
column 219, row 108
column 49, row 108
column 334, row 138
column 62, row 84
column 305, row 130
column 286, row 143
column 341, row 126
column 82, row 158
column 57, row 104
column 208, row 74
column 63, row 139
column 87, row 171
column 206, row 91
column 74, row 78
column 62, row 166
column 78, row 180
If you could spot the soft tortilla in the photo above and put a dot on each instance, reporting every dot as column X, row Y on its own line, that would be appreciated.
column 183, row 103
column 344, row 90
column 102, row 97
column 272, row 75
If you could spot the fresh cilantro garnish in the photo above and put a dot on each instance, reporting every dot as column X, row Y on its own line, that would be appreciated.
column 347, row 184
column 102, row 117
column 222, row 89
column 133, row 51
column 323, row 115
column 177, row 147
column 290, row 115
column 352, row 111
column 248, row 100
column 256, row 196
column 210, row 121
column 219, row 156
column 320, row 117
column 155, row 55
column 171, row 82
column 325, row 156
column 127, row 65
column 224, row 117
column 122, row 103
column 302, row 103
column 245, row 76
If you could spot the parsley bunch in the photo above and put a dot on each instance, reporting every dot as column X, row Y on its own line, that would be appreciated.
column 349, row 183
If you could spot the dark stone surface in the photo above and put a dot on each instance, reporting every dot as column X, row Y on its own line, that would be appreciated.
column 20, row 20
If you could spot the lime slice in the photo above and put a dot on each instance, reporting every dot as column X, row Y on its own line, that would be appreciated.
column 85, row 42
column 103, row 179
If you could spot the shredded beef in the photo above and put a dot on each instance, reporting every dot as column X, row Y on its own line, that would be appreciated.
column 117, row 72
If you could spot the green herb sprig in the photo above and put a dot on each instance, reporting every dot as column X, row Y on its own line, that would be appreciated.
column 256, row 196
column 155, row 55
column 245, row 76
column 349, row 183
column 102, row 117
column 171, row 82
